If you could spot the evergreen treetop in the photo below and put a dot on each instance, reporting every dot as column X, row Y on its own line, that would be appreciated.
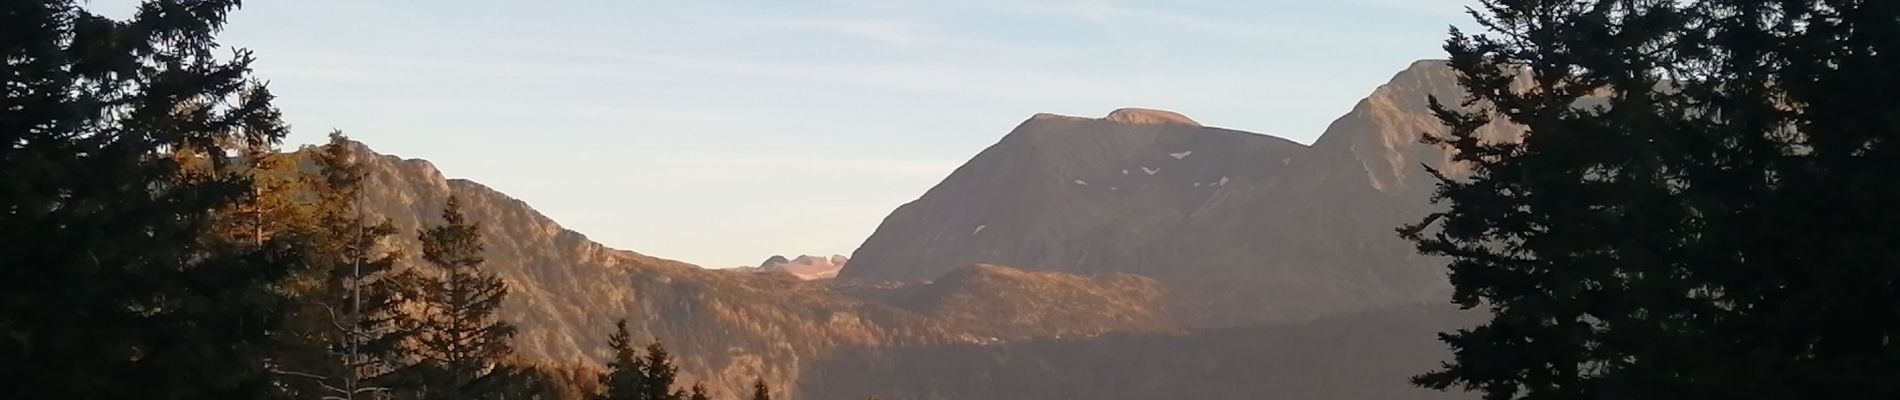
column 1702, row 208
column 118, row 143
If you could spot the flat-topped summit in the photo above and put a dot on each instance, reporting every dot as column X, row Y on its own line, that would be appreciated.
column 1243, row 228
column 1148, row 116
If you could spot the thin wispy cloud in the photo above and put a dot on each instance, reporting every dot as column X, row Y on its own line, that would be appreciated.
column 341, row 65
column 991, row 81
column 810, row 161
column 1115, row 15
column 1126, row 18
column 894, row 33
column 1437, row 7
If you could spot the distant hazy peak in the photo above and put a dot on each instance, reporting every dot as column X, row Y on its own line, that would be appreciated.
column 1145, row 116
column 774, row 261
column 811, row 259
column 807, row 267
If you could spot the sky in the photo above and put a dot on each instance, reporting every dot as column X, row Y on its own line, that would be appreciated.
column 723, row 132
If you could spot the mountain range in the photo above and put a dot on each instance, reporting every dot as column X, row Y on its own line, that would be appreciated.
column 1249, row 228
column 1135, row 256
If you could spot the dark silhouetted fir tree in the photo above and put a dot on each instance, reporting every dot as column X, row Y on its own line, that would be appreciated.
column 1704, row 206
column 632, row 375
column 699, row 392
column 760, row 391
column 625, row 375
column 118, row 142
column 658, row 374
column 521, row 379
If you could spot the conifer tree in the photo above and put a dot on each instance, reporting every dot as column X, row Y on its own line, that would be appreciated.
column 273, row 206
column 631, row 375
column 457, row 336
column 111, row 286
column 364, row 285
column 349, row 322
column 626, row 372
column 1703, row 206
column 522, row 379
column 760, row 391
column 699, row 392
column 658, row 374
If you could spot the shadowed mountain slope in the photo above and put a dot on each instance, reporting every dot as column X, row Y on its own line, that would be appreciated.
column 1246, row 228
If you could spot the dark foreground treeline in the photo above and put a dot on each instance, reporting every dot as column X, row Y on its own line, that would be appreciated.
column 159, row 246
column 1705, row 204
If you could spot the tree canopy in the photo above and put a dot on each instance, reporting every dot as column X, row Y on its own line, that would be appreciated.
column 458, row 339
column 117, row 142
column 1703, row 206
column 633, row 376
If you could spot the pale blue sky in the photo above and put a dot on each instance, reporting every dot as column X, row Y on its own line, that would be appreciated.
column 723, row 132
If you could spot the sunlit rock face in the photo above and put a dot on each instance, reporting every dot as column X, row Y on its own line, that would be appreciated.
column 1103, row 258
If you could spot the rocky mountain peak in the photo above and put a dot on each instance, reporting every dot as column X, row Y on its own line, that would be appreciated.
column 1247, row 228
column 773, row 262
column 1381, row 134
column 806, row 267
column 1147, row 116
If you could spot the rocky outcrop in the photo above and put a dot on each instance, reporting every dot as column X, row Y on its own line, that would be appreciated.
column 1146, row 116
